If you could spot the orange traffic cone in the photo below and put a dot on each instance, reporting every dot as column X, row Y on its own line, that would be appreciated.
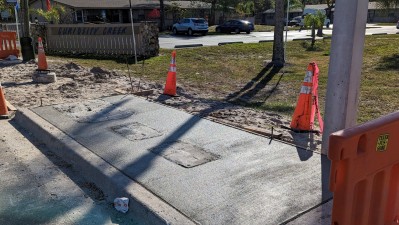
column 170, row 87
column 308, row 106
column 3, row 104
column 41, row 58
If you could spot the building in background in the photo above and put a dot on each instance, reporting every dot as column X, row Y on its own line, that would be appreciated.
column 376, row 14
column 117, row 11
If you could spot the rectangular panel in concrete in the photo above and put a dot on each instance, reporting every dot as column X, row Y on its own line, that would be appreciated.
column 184, row 154
column 136, row 131
column 93, row 111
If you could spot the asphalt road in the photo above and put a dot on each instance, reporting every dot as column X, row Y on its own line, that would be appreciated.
column 170, row 41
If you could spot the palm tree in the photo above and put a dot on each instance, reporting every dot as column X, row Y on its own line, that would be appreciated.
column 315, row 21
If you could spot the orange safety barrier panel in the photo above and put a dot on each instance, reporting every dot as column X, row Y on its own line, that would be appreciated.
column 8, row 44
column 365, row 173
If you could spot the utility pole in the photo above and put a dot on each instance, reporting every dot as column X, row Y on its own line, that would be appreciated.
column 345, row 67
column 133, row 34
column 26, row 40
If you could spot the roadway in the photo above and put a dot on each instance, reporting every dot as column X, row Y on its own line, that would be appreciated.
column 170, row 41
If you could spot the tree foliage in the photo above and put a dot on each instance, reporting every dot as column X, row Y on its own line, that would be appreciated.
column 4, row 6
column 387, row 4
column 53, row 15
column 245, row 8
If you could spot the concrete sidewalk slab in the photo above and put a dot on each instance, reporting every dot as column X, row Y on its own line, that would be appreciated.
column 211, row 173
column 38, row 187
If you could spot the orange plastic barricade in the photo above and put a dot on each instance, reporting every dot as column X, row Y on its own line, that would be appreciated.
column 8, row 44
column 365, row 173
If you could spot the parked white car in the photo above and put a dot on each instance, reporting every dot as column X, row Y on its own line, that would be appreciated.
column 191, row 26
column 326, row 22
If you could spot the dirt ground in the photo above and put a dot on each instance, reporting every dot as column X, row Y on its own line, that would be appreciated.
column 77, row 83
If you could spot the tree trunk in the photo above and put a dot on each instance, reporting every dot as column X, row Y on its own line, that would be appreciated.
column 330, row 6
column 212, row 20
column 25, row 22
column 320, row 32
column 313, row 35
column 162, row 14
column 278, row 43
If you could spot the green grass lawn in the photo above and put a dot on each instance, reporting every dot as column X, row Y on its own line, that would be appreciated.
column 237, row 73
column 386, row 24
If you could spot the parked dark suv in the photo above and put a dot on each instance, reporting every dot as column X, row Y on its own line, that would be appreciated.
column 236, row 26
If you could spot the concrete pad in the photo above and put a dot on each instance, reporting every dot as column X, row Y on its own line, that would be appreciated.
column 211, row 173
column 44, row 76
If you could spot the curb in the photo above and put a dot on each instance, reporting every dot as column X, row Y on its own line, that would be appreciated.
column 233, row 42
column 380, row 34
column 302, row 39
column 263, row 41
column 189, row 46
column 143, row 203
column 326, row 38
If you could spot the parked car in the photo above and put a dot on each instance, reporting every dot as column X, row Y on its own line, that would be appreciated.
column 295, row 21
column 191, row 26
column 236, row 26
column 301, row 23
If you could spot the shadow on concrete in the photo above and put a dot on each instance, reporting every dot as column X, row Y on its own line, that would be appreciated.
column 43, row 212
column 304, row 143
column 320, row 215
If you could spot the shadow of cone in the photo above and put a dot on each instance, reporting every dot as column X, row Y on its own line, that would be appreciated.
column 41, row 58
column 170, row 86
column 3, row 105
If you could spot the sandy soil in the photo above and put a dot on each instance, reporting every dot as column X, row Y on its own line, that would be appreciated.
column 76, row 83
